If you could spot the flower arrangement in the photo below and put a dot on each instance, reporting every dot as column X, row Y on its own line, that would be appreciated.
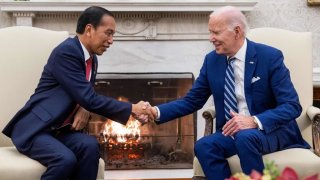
column 271, row 172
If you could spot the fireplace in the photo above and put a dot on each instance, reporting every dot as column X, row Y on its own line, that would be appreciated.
column 149, row 146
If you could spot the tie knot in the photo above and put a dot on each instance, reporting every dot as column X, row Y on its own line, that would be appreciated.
column 89, row 59
column 231, row 59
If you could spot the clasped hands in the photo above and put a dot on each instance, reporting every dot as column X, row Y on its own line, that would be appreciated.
column 144, row 112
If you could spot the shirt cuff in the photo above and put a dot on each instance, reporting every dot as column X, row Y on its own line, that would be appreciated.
column 260, row 127
column 158, row 114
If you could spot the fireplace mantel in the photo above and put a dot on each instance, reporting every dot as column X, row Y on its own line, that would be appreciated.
column 25, row 12
column 125, row 5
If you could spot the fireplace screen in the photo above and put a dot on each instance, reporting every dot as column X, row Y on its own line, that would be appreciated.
column 149, row 146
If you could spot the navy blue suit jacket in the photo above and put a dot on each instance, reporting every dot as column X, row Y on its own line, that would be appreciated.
column 62, row 85
column 272, row 98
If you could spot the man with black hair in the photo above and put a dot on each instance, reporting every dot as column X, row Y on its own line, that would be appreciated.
column 46, row 128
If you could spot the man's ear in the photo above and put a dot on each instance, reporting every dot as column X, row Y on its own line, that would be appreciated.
column 238, row 32
column 88, row 30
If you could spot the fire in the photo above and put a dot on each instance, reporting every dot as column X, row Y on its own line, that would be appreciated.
column 130, row 133
column 118, row 133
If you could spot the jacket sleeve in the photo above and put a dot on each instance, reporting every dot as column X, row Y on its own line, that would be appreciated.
column 68, row 68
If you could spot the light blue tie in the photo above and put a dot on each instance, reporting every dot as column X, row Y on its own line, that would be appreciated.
column 230, row 100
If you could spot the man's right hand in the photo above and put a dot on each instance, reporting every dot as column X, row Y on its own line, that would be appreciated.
column 143, row 112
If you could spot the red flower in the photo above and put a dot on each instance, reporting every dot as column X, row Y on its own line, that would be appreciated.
column 314, row 177
column 271, row 172
column 288, row 174
column 255, row 175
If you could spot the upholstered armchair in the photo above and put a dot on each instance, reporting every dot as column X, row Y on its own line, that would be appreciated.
column 297, row 50
column 24, row 51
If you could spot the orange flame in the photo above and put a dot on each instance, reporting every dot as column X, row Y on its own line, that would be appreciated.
column 130, row 133
column 123, row 134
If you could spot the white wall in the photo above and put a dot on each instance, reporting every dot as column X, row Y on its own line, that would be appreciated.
column 293, row 15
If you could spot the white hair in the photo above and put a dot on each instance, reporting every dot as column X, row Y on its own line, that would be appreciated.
column 234, row 17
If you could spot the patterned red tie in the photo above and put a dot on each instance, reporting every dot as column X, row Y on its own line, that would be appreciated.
column 69, row 119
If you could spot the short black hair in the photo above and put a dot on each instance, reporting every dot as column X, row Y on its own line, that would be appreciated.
column 92, row 15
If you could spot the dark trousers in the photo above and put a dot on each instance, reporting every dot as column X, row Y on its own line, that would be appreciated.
column 213, row 150
column 69, row 155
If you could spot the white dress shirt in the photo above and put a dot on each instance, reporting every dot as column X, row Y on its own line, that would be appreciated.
column 238, row 69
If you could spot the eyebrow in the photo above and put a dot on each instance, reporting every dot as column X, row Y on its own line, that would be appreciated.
column 110, row 30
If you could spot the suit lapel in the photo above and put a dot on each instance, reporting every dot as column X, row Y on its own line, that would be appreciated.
column 217, row 75
column 94, row 62
column 250, row 66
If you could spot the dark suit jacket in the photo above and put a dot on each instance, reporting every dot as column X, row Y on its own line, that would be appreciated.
column 62, row 85
column 272, row 98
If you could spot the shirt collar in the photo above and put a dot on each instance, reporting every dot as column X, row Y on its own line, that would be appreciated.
column 241, row 54
column 85, row 52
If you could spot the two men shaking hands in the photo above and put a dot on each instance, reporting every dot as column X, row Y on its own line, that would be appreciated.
column 144, row 112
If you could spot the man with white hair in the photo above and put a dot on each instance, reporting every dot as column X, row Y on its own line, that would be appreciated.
column 255, row 101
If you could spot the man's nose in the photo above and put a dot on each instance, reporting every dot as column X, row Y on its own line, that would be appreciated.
column 110, row 40
column 212, row 37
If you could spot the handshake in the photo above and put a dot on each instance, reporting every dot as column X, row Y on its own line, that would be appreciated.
column 144, row 112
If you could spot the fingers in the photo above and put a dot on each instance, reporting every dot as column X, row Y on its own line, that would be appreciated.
column 148, row 111
column 231, row 129
column 236, row 123
column 78, row 125
column 143, row 112
column 146, row 105
column 81, row 119
column 233, row 114
column 143, row 119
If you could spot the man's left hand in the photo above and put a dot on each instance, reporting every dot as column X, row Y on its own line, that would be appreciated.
column 81, row 119
column 238, row 122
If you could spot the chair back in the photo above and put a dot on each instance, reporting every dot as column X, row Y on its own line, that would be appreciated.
column 297, row 50
column 24, row 52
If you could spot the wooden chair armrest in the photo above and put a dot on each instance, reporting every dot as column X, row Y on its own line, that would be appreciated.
column 209, row 116
column 314, row 115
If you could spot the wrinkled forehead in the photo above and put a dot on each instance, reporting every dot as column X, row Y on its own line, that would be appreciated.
column 217, row 22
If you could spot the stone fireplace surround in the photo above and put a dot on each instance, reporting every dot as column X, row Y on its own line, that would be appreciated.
column 152, row 36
